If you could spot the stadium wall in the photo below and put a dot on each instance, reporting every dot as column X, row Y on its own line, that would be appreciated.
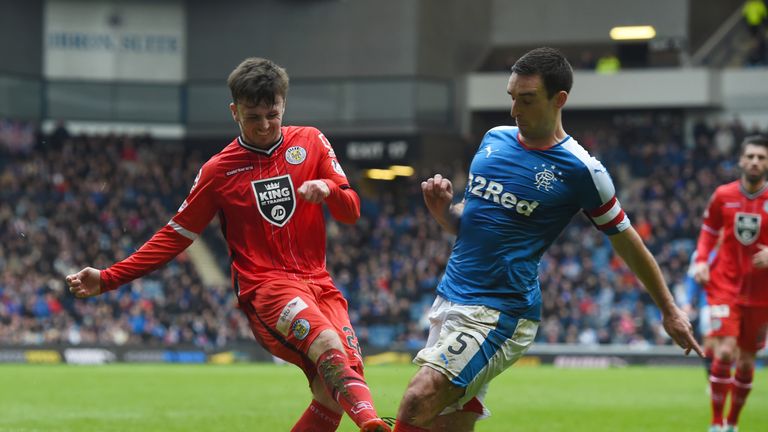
column 687, row 87
column 559, row 355
column 569, row 22
column 311, row 39
column 21, row 33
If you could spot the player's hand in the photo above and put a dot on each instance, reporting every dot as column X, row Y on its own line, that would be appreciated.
column 701, row 273
column 85, row 283
column 314, row 191
column 679, row 328
column 760, row 259
column 438, row 194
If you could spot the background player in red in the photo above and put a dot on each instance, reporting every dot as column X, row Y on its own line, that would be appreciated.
column 267, row 186
column 737, row 282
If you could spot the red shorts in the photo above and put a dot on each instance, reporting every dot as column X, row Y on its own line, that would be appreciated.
column 725, row 319
column 754, row 328
column 286, row 316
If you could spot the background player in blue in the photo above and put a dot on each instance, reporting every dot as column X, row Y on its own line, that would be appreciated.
column 525, row 185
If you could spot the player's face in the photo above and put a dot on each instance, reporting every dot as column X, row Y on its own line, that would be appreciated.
column 259, row 124
column 535, row 114
column 754, row 163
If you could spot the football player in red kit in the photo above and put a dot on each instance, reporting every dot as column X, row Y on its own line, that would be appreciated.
column 737, row 280
column 268, row 186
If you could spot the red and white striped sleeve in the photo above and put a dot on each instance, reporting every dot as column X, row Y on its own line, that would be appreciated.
column 609, row 217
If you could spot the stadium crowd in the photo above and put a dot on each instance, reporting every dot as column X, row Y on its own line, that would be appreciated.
column 72, row 200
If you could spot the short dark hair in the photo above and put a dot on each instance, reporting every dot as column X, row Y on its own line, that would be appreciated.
column 258, row 80
column 758, row 140
column 551, row 65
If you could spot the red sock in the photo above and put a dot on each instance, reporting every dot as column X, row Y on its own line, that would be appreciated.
column 346, row 386
column 709, row 355
column 720, row 382
column 401, row 426
column 317, row 418
column 742, row 384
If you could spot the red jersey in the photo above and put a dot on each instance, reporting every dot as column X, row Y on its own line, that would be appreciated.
column 742, row 218
column 271, row 232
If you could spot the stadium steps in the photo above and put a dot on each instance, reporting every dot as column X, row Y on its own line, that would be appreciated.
column 727, row 47
column 205, row 264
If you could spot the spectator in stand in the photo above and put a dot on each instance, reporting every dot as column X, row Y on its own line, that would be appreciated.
column 755, row 15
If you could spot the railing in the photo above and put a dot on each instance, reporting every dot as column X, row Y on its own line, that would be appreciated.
column 714, row 50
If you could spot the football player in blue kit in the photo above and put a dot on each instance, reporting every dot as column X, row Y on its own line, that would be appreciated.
column 525, row 185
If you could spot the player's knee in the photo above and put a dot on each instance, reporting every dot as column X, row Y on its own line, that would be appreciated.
column 425, row 397
column 726, row 354
column 745, row 361
column 325, row 341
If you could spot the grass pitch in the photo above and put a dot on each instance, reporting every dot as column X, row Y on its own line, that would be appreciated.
column 265, row 397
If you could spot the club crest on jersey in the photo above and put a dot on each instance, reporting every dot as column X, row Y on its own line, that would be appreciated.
column 275, row 199
column 295, row 155
column 546, row 178
column 300, row 328
column 747, row 227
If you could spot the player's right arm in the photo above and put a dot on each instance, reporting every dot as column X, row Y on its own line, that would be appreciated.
column 632, row 250
column 708, row 236
column 193, row 215
column 438, row 196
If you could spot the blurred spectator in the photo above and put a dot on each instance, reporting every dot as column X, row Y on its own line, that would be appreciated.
column 608, row 64
column 755, row 14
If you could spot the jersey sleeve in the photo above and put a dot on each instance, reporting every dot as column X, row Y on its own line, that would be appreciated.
column 192, row 217
column 597, row 196
column 343, row 202
column 198, row 209
column 710, row 228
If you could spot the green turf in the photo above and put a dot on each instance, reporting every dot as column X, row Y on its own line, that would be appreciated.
column 261, row 397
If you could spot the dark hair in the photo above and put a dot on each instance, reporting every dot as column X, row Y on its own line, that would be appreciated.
column 256, row 81
column 758, row 140
column 551, row 65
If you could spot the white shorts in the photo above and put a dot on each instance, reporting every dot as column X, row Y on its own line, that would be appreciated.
column 471, row 345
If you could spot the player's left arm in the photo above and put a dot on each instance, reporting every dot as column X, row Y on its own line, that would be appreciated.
column 332, row 186
column 630, row 247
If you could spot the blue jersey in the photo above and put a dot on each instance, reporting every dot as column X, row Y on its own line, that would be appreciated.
column 694, row 291
column 517, row 201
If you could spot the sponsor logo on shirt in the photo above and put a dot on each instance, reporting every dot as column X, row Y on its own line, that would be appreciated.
column 765, row 206
column 239, row 170
column 295, row 155
column 494, row 191
column 337, row 167
column 732, row 205
column 489, row 151
column 747, row 227
column 300, row 328
column 288, row 313
column 275, row 199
